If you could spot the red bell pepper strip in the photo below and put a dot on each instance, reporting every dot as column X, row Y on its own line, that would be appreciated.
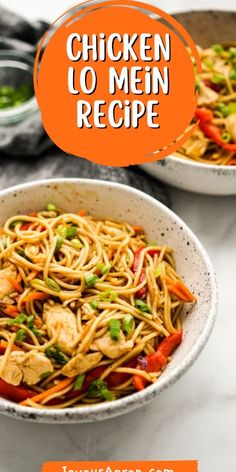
column 143, row 291
column 205, row 118
column 16, row 394
column 158, row 360
column 113, row 380
column 2, row 349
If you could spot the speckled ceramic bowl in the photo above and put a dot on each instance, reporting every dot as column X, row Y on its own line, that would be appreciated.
column 194, row 177
column 117, row 201
column 206, row 28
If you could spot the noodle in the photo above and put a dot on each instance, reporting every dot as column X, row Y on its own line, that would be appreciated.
column 81, row 300
column 214, row 141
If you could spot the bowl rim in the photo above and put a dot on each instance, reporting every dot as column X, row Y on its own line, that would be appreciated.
column 106, row 410
column 192, row 163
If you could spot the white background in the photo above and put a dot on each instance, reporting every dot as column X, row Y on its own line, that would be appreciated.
column 194, row 419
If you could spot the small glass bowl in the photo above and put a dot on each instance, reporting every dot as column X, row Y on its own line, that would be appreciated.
column 16, row 69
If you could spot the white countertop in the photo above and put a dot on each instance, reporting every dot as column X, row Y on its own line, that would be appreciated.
column 194, row 419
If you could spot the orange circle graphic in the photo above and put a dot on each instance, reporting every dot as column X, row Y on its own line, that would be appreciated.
column 115, row 82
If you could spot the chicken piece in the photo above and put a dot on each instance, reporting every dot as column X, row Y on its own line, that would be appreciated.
column 6, row 287
column 59, row 316
column 206, row 95
column 196, row 145
column 113, row 349
column 26, row 367
column 35, row 366
column 230, row 123
column 81, row 363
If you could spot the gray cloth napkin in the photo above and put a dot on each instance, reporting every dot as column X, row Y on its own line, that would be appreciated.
column 15, row 170
column 27, row 137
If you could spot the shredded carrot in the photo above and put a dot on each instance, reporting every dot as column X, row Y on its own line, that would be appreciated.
column 11, row 310
column 36, row 296
column 138, row 229
column 38, row 323
column 19, row 278
column 81, row 212
column 178, row 288
column 110, row 254
column 86, row 330
column 32, row 213
column 4, row 344
column 41, row 396
column 15, row 284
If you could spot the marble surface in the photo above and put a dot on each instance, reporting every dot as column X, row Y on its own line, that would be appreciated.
column 194, row 419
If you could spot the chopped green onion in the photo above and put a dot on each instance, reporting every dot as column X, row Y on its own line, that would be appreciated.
column 67, row 232
column 16, row 222
column 76, row 243
column 21, row 335
column 59, row 243
column 20, row 319
column 226, row 137
column 142, row 306
column 197, row 85
column 98, row 388
column 151, row 243
column 62, row 231
column 232, row 75
column 4, row 243
column 218, row 48
column 21, row 253
column 218, row 79
column 56, row 354
column 232, row 52
column 208, row 62
column 79, row 382
column 71, row 231
column 36, row 331
column 91, row 279
column 45, row 375
column 30, row 321
column 231, row 108
column 108, row 296
column 158, row 270
column 104, row 268
column 14, row 96
column 223, row 109
column 128, row 324
column 51, row 207
column 94, row 304
column 30, row 325
column 114, row 326
column 52, row 284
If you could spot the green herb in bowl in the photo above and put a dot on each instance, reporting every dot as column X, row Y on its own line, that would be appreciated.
column 14, row 96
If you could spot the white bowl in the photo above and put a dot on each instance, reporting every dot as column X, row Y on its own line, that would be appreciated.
column 117, row 201
column 194, row 176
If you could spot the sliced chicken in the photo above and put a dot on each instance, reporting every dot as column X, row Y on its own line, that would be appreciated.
column 81, row 363
column 62, row 320
column 26, row 367
column 206, row 95
column 196, row 145
column 113, row 349
column 6, row 287
column 230, row 123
